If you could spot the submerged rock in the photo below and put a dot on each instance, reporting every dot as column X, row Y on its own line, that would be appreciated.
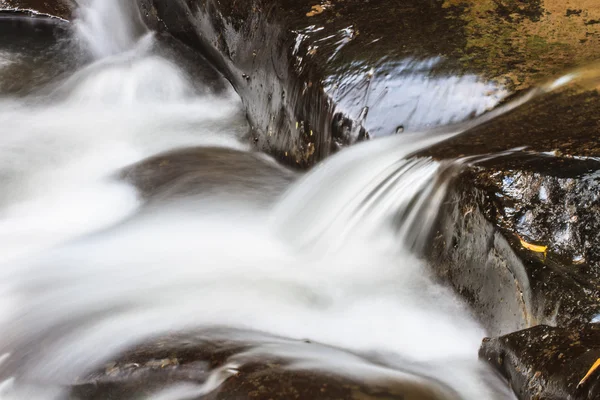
column 226, row 364
column 33, row 53
column 549, row 363
column 317, row 76
column 209, row 171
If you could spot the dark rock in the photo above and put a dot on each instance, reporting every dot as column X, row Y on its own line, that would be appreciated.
column 55, row 8
column 480, row 248
column 206, row 171
column 518, row 236
column 33, row 53
column 316, row 78
column 545, row 363
column 243, row 365
column 564, row 122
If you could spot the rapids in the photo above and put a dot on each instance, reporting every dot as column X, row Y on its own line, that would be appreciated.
column 91, row 265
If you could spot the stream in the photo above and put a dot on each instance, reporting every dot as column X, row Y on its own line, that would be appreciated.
column 133, row 207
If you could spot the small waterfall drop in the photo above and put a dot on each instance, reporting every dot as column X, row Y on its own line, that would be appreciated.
column 108, row 27
column 90, row 267
column 353, row 196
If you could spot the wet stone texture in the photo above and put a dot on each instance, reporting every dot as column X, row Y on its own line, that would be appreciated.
column 33, row 54
column 542, row 199
column 508, row 266
column 208, row 171
column 548, row 363
column 317, row 76
column 519, row 234
column 56, row 8
column 238, row 365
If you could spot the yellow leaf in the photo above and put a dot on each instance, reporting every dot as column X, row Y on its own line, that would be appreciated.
column 533, row 247
column 590, row 372
column 316, row 10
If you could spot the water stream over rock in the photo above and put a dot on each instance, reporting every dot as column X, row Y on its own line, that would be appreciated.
column 133, row 214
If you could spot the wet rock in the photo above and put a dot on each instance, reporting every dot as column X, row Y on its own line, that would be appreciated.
column 518, row 236
column 33, row 53
column 314, row 77
column 209, row 171
column 511, row 280
column 318, row 76
column 548, row 363
column 243, row 365
column 55, row 8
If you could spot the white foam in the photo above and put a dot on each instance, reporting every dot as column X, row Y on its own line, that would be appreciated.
column 108, row 27
column 73, row 249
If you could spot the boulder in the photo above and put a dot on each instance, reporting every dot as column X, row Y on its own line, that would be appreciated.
column 221, row 364
column 518, row 236
column 206, row 172
column 316, row 76
column 546, row 363
column 33, row 53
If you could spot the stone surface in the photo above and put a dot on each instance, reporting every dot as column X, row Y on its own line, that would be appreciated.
column 33, row 53
column 518, row 236
column 545, row 363
column 246, row 365
column 315, row 77
column 209, row 171
column 56, row 8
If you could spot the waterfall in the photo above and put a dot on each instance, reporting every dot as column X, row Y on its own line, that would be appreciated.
column 108, row 27
column 89, row 267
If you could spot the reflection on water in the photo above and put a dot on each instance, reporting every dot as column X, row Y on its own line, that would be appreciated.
column 87, row 271
column 411, row 94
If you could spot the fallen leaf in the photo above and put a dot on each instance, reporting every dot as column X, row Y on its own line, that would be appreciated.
column 316, row 10
column 533, row 247
column 590, row 372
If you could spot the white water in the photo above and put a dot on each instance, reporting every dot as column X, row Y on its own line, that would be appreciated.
column 84, row 272
column 108, row 27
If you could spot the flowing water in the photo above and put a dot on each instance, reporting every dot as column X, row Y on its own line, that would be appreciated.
column 93, row 264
